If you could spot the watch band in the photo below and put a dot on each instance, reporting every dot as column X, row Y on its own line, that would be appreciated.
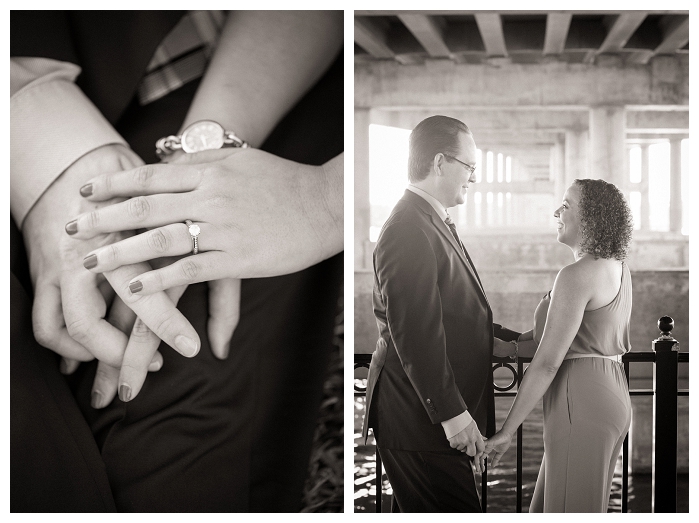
column 169, row 144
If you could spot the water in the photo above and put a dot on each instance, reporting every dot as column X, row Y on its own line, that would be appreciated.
column 502, row 481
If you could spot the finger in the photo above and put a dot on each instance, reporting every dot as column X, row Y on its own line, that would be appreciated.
column 208, row 156
column 214, row 265
column 121, row 316
column 84, row 310
column 480, row 446
column 137, row 213
column 68, row 366
column 140, row 351
column 224, row 313
column 104, row 386
column 49, row 326
column 157, row 311
column 141, row 181
column 170, row 240
column 123, row 319
column 471, row 449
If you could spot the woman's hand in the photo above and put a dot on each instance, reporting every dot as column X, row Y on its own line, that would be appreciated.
column 499, row 443
column 259, row 215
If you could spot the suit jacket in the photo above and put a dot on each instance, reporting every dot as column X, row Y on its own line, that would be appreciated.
column 433, row 356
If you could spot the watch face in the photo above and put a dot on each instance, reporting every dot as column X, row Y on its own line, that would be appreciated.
column 201, row 136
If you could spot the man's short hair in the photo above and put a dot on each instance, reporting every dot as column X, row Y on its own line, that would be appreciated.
column 436, row 134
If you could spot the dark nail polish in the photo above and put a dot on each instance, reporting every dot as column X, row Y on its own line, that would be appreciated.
column 135, row 286
column 90, row 261
column 86, row 190
column 124, row 392
column 96, row 399
column 72, row 227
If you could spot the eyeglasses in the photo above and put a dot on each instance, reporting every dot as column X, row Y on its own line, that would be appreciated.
column 471, row 168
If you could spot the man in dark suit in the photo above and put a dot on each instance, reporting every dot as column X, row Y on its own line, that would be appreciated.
column 429, row 390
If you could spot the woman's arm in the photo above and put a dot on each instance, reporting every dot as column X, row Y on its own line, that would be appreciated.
column 264, row 63
column 571, row 294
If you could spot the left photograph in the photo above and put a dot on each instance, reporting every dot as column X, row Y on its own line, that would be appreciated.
column 176, row 261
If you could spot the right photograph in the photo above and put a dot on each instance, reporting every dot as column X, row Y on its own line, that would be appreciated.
column 521, row 256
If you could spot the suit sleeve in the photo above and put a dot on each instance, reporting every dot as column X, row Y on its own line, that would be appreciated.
column 407, row 275
column 52, row 124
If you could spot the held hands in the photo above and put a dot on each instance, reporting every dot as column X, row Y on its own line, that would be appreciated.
column 499, row 443
column 259, row 215
column 471, row 442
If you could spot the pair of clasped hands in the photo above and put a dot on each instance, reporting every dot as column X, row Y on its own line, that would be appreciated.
column 471, row 442
column 97, row 295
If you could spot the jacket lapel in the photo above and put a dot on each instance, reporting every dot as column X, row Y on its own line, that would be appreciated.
column 446, row 233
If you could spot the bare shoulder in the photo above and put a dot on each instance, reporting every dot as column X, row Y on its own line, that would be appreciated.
column 573, row 282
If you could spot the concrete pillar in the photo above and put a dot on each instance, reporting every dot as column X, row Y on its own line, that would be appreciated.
column 608, row 144
column 362, row 209
column 576, row 154
column 676, row 186
column 558, row 169
column 645, row 197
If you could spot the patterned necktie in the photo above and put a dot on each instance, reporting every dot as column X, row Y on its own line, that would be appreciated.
column 452, row 228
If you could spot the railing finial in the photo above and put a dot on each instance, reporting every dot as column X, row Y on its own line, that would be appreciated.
column 666, row 324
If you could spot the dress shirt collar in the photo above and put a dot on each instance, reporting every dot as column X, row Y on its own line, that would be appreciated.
column 434, row 202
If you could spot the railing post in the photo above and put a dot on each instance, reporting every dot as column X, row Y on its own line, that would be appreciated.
column 665, row 419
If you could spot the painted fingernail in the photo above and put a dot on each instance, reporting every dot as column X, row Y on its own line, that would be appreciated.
column 72, row 227
column 124, row 392
column 186, row 346
column 90, row 261
column 86, row 190
column 96, row 399
column 135, row 286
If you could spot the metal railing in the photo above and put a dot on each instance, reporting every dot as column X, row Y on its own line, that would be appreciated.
column 666, row 357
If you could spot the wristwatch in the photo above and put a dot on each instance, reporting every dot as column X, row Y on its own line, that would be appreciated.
column 199, row 136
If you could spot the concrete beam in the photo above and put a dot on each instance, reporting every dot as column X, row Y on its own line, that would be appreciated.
column 384, row 84
column 428, row 32
column 537, row 186
column 675, row 35
column 372, row 37
column 557, row 25
column 490, row 26
column 479, row 119
column 620, row 31
column 651, row 121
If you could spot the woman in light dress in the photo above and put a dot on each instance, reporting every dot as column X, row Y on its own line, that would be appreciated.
column 582, row 330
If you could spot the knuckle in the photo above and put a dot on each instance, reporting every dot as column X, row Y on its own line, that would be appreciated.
column 101, row 374
column 111, row 253
column 159, row 241
column 140, row 331
column 78, row 329
column 220, row 201
column 190, row 269
column 93, row 219
column 143, row 175
column 139, row 208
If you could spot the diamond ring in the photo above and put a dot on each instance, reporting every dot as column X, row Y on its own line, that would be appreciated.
column 194, row 231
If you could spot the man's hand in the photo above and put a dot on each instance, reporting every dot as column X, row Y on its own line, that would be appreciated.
column 503, row 349
column 70, row 304
column 468, row 440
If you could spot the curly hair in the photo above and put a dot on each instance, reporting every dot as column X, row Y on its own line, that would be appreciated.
column 606, row 222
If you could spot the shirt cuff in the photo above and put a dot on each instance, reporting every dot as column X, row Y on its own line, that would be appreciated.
column 456, row 424
column 52, row 124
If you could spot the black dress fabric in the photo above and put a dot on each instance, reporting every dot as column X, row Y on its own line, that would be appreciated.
column 203, row 435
